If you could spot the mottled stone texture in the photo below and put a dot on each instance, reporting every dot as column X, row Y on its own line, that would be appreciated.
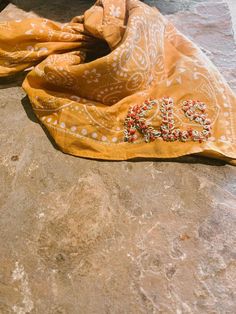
column 92, row 237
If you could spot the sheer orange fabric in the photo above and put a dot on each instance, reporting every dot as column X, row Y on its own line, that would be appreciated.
column 88, row 75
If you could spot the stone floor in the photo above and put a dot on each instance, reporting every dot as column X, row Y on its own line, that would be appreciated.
column 82, row 236
column 232, row 6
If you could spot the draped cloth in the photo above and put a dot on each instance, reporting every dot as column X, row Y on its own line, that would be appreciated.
column 88, row 73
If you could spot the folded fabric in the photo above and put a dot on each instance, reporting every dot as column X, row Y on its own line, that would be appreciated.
column 121, row 82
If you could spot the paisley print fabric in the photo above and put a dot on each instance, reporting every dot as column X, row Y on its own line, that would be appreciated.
column 87, row 74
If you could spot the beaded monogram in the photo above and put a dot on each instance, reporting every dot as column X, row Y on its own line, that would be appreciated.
column 193, row 110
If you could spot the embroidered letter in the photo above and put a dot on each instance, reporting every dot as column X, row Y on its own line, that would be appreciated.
column 193, row 110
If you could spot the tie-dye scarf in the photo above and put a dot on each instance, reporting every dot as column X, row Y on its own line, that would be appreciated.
column 121, row 82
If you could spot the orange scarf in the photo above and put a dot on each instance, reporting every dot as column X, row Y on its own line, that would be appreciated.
column 121, row 82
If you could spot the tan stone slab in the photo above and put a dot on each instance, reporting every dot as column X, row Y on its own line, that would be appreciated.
column 92, row 237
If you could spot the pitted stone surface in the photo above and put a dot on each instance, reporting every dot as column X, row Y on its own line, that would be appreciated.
column 93, row 237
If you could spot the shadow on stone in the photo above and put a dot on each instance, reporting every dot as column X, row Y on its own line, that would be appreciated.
column 3, row 4
column 12, row 81
column 31, row 115
column 57, row 10
column 28, row 109
column 191, row 159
